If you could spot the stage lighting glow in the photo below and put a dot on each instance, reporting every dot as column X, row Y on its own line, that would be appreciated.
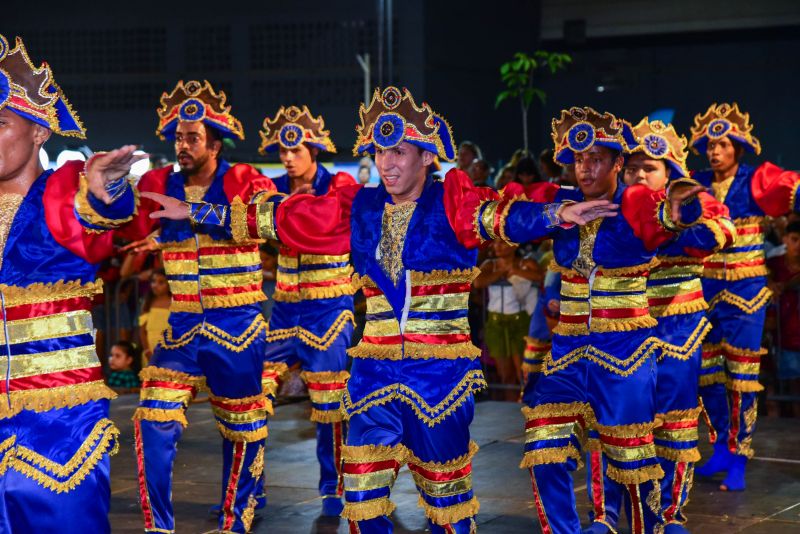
column 140, row 167
column 69, row 155
column 44, row 159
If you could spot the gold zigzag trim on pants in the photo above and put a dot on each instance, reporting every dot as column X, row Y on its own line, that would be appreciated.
column 694, row 340
column 748, row 306
column 589, row 352
column 102, row 439
column 42, row 400
column 472, row 382
column 309, row 338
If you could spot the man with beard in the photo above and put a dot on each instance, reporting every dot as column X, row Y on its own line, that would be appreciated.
column 312, row 318
column 216, row 333
column 412, row 239
column 735, row 285
column 55, row 227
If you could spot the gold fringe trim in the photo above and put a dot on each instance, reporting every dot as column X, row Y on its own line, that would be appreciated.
column 748, row 306
column 449, row 514
column 242, row 400
column 738, row 273
column 589, row 352
column 678, row 415
column 316, row 342
column 325, row 377
column 743, row 386
column 635, row 430
column 327, row 416
column 7, row 451
column 633, row 269
column 360, row 281
column 471, row 383
column 679, row 308
column 243, row 436
column 544, row 411
column 280, row 368
column 378, row 352
column 102, row 439
column 361, row 511
column 571, row 329
column 169, row 342
column 694, row 340
column 440, row 276
column 635, row 476
column 556, row 268
column 455, row 464
column 449, row 351
column 159, row 415
column 36, row 293
column 314, row 293
column 710, row 380
column 622, row 325
column 162, row 374
column 736, row 351
column 501, row 218
column 239, row 220
column 678, row 455
column 553, row 455
column 360, row 454
column 231, row 301
column 42, row 400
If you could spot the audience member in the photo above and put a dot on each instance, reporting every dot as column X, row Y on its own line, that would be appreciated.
column 155, row 313
column 124, row 375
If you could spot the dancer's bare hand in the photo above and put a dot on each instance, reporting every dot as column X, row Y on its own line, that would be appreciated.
column 174, row 209
column 679, row 194
column 585, row 212
column 111, row 166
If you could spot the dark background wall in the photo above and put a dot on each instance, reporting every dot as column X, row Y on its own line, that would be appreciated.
column 114, row 65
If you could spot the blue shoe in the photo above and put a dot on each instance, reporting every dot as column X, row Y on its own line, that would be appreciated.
column 332, row 506
column 719, row 462
column 675, row 528
column 596, row 528
column 734, row 481
column 261, row 501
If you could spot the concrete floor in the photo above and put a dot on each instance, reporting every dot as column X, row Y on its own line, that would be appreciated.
column 770, row 505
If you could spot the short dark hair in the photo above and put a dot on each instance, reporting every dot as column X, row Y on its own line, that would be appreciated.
column 133, row 350
column 793, row 227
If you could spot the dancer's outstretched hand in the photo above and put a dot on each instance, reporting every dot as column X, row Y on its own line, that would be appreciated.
column 679, row 194
column 110, row 166
column 173, row 208
column 585, row 212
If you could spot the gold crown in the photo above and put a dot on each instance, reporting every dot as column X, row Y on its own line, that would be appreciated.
column 578, row 129
column 393, row 117
column 660, row 141
column 722, row 120
column 193, row 101
column 32, row 92
column 292, row 126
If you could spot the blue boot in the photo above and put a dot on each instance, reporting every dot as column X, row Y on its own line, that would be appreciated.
column 332, row 506
column 734, row 481
column 719, row 462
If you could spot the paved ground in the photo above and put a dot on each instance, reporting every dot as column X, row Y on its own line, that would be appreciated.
column 770, row 505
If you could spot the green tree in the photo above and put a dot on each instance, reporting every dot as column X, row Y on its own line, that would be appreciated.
column 519, row 74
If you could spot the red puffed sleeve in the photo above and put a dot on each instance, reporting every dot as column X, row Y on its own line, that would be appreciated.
column 775, row 190
column 154, row 181
column 59, row 213
column 315, row 225
column 536, row 192
column 462, row 204
column 713, row 232
column 245, row 181
column 639, row 207
column 342, row 179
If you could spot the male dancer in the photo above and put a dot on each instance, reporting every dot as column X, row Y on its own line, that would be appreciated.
column 312, row 318
column 215, row 337
column 675, row 298
column 600, row 374
column 412, row 239
column 735, row 285
column 55, row 434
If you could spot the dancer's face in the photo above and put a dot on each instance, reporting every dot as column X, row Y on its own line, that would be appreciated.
column 402, row 170
column 596, row 171
column 723, row 155
column 20, row 141
column 641, row 169
column 195, row 147
column 298, row 161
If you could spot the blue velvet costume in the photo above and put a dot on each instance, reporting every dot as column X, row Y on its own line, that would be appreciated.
column 312, row 323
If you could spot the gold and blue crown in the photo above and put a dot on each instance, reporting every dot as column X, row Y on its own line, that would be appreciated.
column 31, row 92
column 579, row 129
column 657, row 141
column 393, row 117
column 292, row 126
column 196, row 102
column 723, row 120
